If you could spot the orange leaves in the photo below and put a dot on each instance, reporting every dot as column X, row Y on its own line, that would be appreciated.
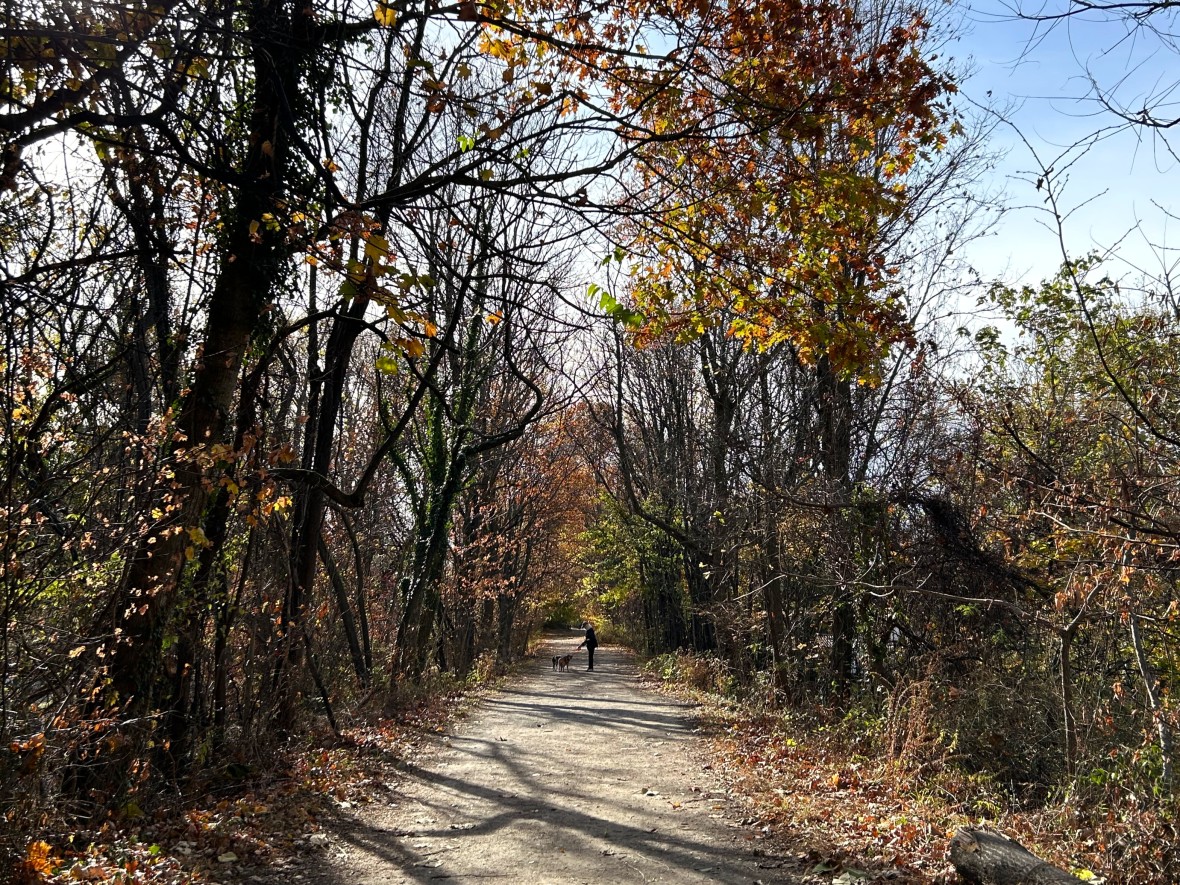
column 807, row 128
column 37, row 865
column 29, row 752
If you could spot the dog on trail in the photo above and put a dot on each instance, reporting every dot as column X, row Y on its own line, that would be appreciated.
column 562, row 662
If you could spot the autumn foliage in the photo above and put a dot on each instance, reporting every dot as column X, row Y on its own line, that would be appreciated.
column 305, row 419
column 803, row 122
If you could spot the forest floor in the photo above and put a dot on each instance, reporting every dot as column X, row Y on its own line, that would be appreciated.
column 552, row 777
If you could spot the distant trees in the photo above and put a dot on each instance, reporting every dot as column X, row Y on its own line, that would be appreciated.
column 785, row 407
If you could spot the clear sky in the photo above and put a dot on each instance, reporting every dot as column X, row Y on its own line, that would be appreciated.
column 1122, row 181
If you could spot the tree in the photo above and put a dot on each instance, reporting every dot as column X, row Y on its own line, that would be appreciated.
column 817, row 115
column 1085, row 456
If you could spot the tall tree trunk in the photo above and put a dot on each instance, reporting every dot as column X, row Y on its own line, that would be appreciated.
column 834, row 402
column 700, row 594
column 309, row 505
column 1151, row 691
column 344, row 608
column 772, row 601
column 139, row 616
column 506, row 618
column 1067, row 702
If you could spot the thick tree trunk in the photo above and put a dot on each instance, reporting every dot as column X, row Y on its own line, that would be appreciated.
column 663, row 598
column 701, row 627
column 506, row 609
column 985, row 858
column 138, row 618
column 420, row 586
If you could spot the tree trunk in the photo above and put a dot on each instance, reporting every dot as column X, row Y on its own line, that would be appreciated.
column 700, row 593
column 663, row 598
column 310, row 504
column 139, row 615
column 344, row 607
column 506, row 609
column 1151, row 687
column 1071, row 727
column 834, row 407
column 986, row 858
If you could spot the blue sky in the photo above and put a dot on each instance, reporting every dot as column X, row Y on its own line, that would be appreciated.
column 1122, row 181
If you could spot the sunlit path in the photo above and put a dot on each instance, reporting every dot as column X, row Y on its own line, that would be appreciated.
column 563, row 777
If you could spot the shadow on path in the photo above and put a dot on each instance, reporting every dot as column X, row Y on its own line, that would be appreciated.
column 569, row 777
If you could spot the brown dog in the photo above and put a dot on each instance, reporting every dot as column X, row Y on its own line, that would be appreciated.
column 563, row 662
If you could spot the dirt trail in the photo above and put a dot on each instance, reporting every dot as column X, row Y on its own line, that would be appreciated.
column 560, row 778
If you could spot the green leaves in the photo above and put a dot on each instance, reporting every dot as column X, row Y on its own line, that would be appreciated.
column 614, row 309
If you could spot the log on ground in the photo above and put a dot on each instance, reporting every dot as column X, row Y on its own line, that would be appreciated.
column 982, row 857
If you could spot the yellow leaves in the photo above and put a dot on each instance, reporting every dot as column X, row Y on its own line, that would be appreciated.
column 385, row 15
column 283, row 454
column 356, row 272
column 497, row 48
column 377, row 249
column 198, row 68
column 495, row 318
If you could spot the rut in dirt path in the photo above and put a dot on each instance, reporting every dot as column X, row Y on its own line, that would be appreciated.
column 560, row 778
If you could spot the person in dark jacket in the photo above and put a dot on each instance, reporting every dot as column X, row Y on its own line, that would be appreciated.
column 591, row 643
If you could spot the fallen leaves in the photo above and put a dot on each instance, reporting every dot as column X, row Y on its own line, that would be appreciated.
column 272, row 819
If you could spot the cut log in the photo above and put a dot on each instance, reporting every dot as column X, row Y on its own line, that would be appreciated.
column 986, row 858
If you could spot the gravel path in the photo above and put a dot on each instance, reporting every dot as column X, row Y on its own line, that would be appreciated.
column 560, row 778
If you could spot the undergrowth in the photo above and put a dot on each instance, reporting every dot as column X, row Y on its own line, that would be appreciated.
column 229, row 821
column 836, row 786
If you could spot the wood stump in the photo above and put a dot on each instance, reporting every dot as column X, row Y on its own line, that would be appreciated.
column 986, row 858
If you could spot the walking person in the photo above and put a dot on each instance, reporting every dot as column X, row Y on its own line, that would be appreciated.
column 591, row 643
